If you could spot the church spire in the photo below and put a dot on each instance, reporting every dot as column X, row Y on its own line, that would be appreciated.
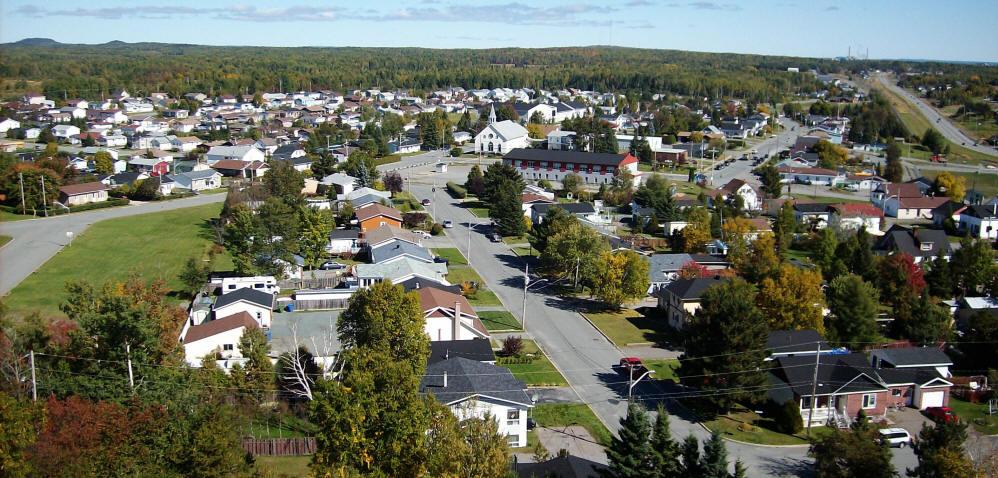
column 492, row 114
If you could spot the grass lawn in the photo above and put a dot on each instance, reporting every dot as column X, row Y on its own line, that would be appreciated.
column 154, row 245
column 798, row 254
column 975, row 414
column 496, row 320
column 13, row 216
column 555, row 415
column 516, row 239
column 4, row 240
column 281, row 466
column 628, row 326
column 452, row 254
column 986, row 183
column 484, row 297
column 394, row 158
column 406, row 202
column 533, row 367
column 281, row 427
column 476, row 207
column 531, row 443
column 825, row 199
column 665, row 369
column 462, row 274
column 526, row 251
column 747, row 426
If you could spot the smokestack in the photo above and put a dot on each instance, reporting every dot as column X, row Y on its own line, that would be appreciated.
column 456, row 332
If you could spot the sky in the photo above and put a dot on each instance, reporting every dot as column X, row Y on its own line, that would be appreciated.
column 960, row 30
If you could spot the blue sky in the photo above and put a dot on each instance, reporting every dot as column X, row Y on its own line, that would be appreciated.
column 822, row 28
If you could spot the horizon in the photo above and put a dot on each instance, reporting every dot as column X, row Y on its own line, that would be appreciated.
column 890, row 30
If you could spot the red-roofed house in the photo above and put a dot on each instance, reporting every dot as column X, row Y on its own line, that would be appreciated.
column 76, row 194
column 374, row 215
column 219, row 336
column 853, row 216
column 530, row 199
column 449, row 316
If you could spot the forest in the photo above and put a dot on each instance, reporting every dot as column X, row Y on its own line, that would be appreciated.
column 88, row 71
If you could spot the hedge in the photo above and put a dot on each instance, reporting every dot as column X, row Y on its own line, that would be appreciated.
column 456, row 190
column 100, row 205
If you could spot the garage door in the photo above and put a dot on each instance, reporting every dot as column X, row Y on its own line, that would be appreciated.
column 932, row 399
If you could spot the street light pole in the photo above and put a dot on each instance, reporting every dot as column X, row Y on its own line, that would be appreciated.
column 633, row 382
column 527, row 285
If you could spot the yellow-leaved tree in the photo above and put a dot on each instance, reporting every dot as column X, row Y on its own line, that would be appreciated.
column 793, row 300
column 954, row 187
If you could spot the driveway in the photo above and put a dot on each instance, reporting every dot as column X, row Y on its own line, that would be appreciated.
column 37, row 240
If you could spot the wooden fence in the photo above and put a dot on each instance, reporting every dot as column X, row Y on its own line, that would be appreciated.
column 279, row 446
column 311, row 283
column 320, row 304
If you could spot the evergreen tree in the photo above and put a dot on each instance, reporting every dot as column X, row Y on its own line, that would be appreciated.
column 506, row 209
column 894, row 171
column 630, row 454
column 690, row 452
column 938, row 277
column 972, row 265
column 714, row 463
column 785, row 227
column 927, row 324
column 853, row 305
column 664, row 450
column 941, row 452
column 476, row 181
column 862, row 263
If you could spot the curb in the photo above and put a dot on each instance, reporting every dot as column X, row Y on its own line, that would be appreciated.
column 601, row 332
column 12, row 239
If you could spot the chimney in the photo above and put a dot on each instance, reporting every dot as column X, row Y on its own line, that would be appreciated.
column 445, row 379
column 456, row 332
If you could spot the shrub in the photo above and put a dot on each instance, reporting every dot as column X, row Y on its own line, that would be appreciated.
column 455, row 152
column 436, row 229
column 787, row 417
column 414, row 219
column 99, row 205
column 512, row 346
column 456, row 190
column 544, row 183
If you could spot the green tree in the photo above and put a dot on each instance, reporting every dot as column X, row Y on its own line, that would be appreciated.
column 727, row 320
column 195, row 274
column 941, row 452
column 770, row 178
column 939, row 278
column 894, row 170
column 506, row 209
column 696, row 234
column 103, row 163
column 284, row 182
column 497, row 175
column 664, row 450
column 33, row 176
column 630, row 453
column 476, row 181
column 621, row 276
column 21, row 421
column 555, row 220
column 238, row 238
column 927, row 323
column 656, row 193
column 934, row 141
column 690, row 451
column 574, row 250
column 853, row 304
column 257, row 375
column 972, row 265
column 714, row 463
column 315, row 226
column 385, row 318
column 785, row 227
column 571, row 184
column 851, row 454
column 978, row 343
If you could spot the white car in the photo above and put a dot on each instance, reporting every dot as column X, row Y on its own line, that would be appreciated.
column 895, row 437
column 448, row 224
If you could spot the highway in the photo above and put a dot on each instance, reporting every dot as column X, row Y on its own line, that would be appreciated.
column 938, row 121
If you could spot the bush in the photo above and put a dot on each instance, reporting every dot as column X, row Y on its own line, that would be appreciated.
column 787, row 417
column 456, row 152
column 512, row 346
column 413, row 220
column 544, row 183
column 436, row 229
column 100, row 205
column 456, row 190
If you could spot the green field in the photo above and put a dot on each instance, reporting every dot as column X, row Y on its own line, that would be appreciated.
column 462, row 274
column 976, row 414
column 747, row 426
column 560, row 415
column 154, row 245
column 406, row 202
column 629, row 327
column 526, row 251
column 476, row 207
column 665, row 369
column 536, row 370
column 4, row 240
column 484, row 297
column 496, row 320
column 11, row 216
column 452, row 254
column 282, row 466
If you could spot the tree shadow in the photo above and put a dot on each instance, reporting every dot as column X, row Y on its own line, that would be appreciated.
column 209, row 229
column 787, row 467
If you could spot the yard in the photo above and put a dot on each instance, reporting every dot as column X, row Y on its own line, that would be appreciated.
column 499, row 320
column 476, row 207
column 665, row 369
column 406, row 202
column 747, row 426
column 13, row 216
column 460, row 274
column 154, row 246
column 4, row 240
column 533, row 367
column 975, row 414
column 452, row 254
column 555, row 415
column 629, row 327
column 281, row 466
column 983, row 182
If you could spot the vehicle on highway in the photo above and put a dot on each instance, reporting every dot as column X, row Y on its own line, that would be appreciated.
column 332, row 266
column 495, row 237
column 631, row 366
column 895, row 437
column 425, row 202
column 448, row 224
column 941, row 414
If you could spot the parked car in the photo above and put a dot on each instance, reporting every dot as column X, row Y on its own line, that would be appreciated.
column 425, row 202
column 495, row 237
column 895, row 437
column 332, row 266
column 941, row 414
column 441, row 260
column 448, row 224
column 631, row 366
column 421, row 233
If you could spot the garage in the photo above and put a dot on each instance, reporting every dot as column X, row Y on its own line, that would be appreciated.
column 933, row 398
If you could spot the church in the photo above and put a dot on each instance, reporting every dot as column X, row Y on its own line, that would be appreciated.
column 500, row 137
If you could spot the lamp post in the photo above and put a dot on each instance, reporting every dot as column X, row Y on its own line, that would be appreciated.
column 470, row 228
column 526, row 285
column 632, row 383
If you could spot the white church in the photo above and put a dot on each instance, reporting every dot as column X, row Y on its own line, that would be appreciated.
column 501, row 137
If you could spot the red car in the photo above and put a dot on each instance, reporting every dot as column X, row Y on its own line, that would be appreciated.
column 631, row 366
column 941, row 414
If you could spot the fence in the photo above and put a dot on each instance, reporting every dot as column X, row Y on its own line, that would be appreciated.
column 313, row 283
column 279, row 446
column 320, row 304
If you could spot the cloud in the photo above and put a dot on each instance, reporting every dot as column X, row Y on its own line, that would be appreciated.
column 511, row 13
column 715, row 6
column 832, row 8
column 639, row 3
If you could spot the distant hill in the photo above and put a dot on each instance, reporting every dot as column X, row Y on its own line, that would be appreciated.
column 36, row 42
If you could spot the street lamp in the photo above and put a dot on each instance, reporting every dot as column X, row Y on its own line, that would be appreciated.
column 526, row 285
column 470, row 227
column 632, row 383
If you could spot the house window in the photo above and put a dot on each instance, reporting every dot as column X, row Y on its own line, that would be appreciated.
column 926, row 246
column 513, row 440
column 805, row 403
column 869, row 400
column 513, row 415
column 227, row 347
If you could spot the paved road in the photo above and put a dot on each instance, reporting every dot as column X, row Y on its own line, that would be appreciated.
column 37, row 240
column 938, row 121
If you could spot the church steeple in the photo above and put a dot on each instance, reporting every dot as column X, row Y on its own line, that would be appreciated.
column 492, row 114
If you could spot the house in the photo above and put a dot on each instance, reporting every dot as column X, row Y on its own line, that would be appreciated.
column 948, row 212
column 529, row 200
column 474, row 349
column 742, row 189
column 554, row 165
column 473, row 389
column 916, row 376
column 921, row 244
column 854, row 216
column 218, row 338
column 375, row 215
column 581, row 210
column 398, row 249
column 65, row 131
column 526, row 112
column 501, row 137
column 241, row 169
column 980, row 221
column 405, row 146
column 814, row 215
column 185, row 144
column 288, row 151
column 400, row 271
column 360, row 201
column 806, row 175
column 793, row 343
column 386, row 234
column 863, row 182
column 342, row 183
column 125, row 178
column 905, row 200
column 680, row 299
column 198, row 180
column 561, row 140
column 246, row 153
column 256, row 303
column 846, row 384
column 77, row 194
column 569, row 466
column 664, row 268
column 156, row 166
column 7, row 124
column 343, row 241
column 449, row 316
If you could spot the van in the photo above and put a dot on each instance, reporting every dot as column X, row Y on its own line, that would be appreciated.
column 895, row 437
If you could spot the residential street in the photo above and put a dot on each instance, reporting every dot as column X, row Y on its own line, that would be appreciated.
column 37, row 240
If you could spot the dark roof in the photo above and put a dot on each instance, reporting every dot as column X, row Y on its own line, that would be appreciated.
column 811, row 207
column 581, row 157
column 125, row 177
column 474, row 349
column 790, row 341
column 913, row 356
column 560, row 467
column 569, row 207
column 416, row 283
column 902, row 239
column 344, row 234
column 471, row 378
column 692, row 289
column 249, row 295
column 903, row 376
column 948, row 208
column 983, row 212
column 83, row 188
column 837, row 373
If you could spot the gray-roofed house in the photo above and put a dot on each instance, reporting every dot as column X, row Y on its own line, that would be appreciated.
column 680, row 299
column 846, row 384
column 472, row 389
column 581, row 210
column 664, row 268
column 400, row 271
column 397, row 250
column 341, row 182
column 343, row 241
column 257, row 304
column 792, row 343
column 561, row 467
column 474, row 349
column 811, row 214
column 917, row 376
column 980, row 221
column 198, row 180
column 920, row 243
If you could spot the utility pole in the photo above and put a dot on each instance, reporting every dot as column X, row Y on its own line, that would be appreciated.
column 526, row 282
column 577, row 260
column 131, row 378
column 814, row 389
column 20, row 179
column 34, row 381
column 44, row 200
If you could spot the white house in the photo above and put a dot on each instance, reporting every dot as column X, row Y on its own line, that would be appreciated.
column 343, row 241
column 185, row 144
column 256, row 303
column 807, row 175
column 742, row 189
column 980, row 221
column 198, row 180
column 449, row 316
column 341, row 182
column 501, row 137
column 219, row 337
column 65, row 131
column 76, row 194
column 246, row 154
column 853, row 216
column 8, row 124
column 473, row 389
